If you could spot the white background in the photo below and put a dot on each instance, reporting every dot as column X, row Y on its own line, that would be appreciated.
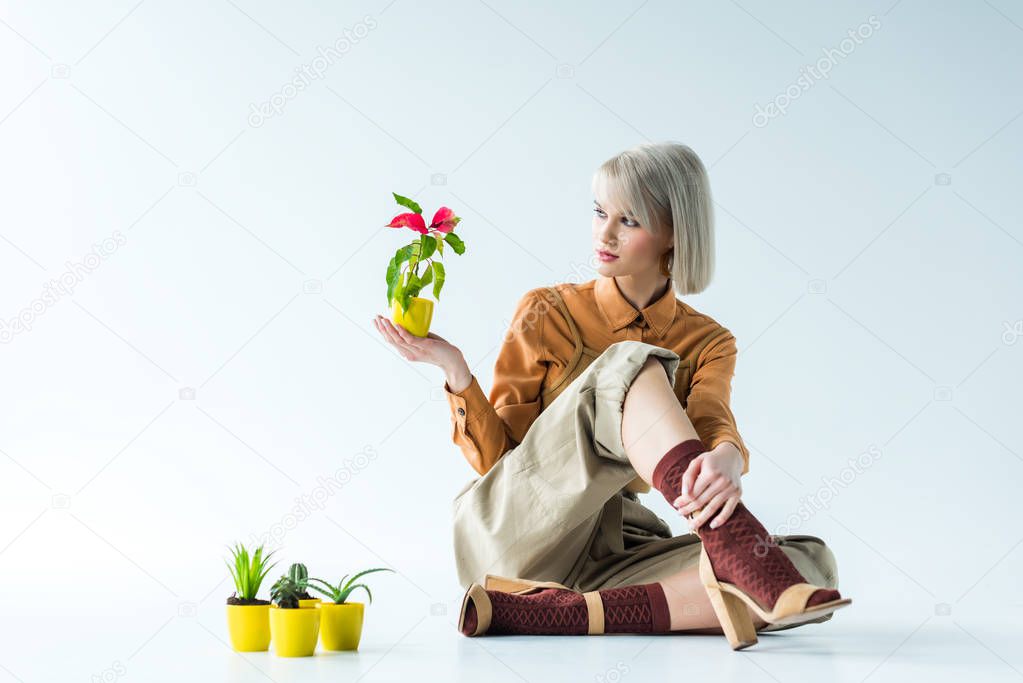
column 876, row 304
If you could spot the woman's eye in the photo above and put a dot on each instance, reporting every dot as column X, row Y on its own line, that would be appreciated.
column 599, row 213
column 630, row 223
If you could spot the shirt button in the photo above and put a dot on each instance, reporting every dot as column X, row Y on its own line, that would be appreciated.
column 461, row 411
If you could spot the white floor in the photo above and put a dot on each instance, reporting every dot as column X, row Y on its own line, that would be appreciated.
column 148, row 646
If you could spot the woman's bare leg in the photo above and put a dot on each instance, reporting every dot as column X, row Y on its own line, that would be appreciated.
column 652, row 422
column 652, row 419
column 689, row 606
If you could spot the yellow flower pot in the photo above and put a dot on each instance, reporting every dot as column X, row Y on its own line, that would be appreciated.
column 417, row 318
column 294, row 631
column 341, row 625
column 249, row 627
column 309, row 602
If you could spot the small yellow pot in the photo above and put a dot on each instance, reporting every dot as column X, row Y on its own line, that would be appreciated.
column 249, row 627
column 417, row 319
column 294, row 631
column 341, row 625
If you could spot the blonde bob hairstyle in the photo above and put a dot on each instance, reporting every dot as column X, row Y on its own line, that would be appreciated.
column 664, row 187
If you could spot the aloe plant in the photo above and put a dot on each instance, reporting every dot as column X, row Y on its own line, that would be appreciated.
column 339, row 594
column 248, row 571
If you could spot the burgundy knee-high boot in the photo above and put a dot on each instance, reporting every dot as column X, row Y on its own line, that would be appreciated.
column 558, row 611
column 740, row 551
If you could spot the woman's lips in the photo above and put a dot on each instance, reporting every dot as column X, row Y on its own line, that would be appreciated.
column 605, row 256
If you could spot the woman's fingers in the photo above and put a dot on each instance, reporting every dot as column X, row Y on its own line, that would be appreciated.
column 708, row 511
column 410, row 346
column 726, row 512
column 709, row 473
column 704, row 498
column 689, row 476
column 407, row 337
column 387, row 329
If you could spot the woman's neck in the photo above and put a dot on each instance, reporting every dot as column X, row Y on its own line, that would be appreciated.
column 642, row 290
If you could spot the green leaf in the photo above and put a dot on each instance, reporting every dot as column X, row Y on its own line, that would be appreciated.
column 406, row 202
column 351, row 589
column 327, row 590
column 413, row 286
column 438, row 279
column 404, row 254
column 456, row 242
column 369, row 571
column 427, row 277
column 393, row 272
column 429, row 246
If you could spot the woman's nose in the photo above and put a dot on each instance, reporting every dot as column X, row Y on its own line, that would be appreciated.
column 609, row 236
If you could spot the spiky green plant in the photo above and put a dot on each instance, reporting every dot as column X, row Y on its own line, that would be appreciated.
column 285, row 592
column 339, row 593
column 300, row 575
column 248, row 572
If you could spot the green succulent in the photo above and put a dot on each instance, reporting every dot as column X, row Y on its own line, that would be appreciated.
column 248, row 572
column 286, row 592
column 339, row 593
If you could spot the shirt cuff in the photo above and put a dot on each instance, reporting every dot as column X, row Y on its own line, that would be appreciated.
column 464, row 404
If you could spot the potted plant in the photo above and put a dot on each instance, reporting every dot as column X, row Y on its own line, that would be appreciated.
column 341, row 620
column 248, row 618
column 294, row 629
column 404, row 280
column 300, row 575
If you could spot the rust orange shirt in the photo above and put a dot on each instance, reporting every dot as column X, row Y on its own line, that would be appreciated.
column 539, row 347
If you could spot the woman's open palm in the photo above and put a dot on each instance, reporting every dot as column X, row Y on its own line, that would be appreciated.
column 433, row 348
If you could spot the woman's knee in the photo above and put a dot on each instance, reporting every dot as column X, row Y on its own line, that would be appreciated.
column 652, row 373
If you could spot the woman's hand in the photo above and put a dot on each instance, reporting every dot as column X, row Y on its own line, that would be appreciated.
column 711, row 482
column 432, row 348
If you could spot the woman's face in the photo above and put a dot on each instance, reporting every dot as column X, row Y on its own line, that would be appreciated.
column 637, row 250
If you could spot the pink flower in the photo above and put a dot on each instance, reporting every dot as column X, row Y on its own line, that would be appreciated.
column 444, row 220
column 413, row 221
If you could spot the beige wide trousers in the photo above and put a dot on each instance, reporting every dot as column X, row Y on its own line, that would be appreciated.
column 554, row 507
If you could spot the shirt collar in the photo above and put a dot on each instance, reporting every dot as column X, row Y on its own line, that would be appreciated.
column 619, row 313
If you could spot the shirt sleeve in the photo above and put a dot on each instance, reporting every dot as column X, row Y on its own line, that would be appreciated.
column 708, row 405
column 486, row 428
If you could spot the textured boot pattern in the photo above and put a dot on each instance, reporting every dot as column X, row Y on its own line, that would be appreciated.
column 741, row 551
column 556, row 611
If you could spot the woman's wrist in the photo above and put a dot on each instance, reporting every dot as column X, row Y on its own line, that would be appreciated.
column 732, row 452
column 458, row 375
